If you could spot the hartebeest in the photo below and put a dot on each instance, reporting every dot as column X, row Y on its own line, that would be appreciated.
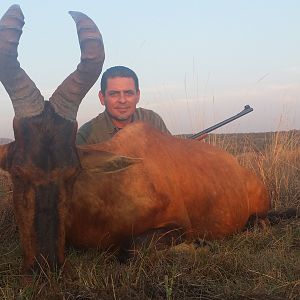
column 139, row 182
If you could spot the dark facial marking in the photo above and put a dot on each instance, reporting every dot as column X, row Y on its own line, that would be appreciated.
column 46, row 222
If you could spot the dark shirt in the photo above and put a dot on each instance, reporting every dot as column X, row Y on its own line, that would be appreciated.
column 101, row 128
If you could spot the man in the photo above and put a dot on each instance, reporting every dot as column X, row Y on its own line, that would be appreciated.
column 119, row 94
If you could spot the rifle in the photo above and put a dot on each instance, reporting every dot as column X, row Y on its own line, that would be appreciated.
column 202, row 134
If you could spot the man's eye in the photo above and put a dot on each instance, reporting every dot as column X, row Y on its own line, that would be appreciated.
column 129, row 93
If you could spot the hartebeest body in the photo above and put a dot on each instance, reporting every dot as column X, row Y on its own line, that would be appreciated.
column 159, row 181
column 107, row 194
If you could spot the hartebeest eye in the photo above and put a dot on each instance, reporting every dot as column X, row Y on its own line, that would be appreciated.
column 17, row 171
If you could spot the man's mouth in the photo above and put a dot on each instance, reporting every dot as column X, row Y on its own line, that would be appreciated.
column 122, row 109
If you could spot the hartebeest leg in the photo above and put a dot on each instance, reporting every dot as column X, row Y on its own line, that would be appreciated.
column 159, row 238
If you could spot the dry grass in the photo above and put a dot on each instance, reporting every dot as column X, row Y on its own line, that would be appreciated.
column 279, row 167
column 257, row 264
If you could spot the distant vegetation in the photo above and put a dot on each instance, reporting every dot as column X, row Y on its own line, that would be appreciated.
column 238, row 143
column 262, row 263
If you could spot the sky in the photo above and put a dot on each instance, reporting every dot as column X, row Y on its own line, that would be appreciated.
column 198, row 61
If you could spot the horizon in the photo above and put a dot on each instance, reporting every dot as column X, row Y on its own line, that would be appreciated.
column 4, row 140
column 198, row 62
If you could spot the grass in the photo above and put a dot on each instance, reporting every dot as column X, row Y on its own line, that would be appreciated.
column 256, row 264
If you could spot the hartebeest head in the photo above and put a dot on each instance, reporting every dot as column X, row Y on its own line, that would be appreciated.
column 42, row 160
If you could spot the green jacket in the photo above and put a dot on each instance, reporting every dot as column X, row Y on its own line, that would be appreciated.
column 101, row 128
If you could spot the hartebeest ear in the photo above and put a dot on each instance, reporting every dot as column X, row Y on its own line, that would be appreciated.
column 106, row 162
column 4, row 150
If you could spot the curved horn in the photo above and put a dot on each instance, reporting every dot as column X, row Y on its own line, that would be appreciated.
column 68, row 96
column 26, row 98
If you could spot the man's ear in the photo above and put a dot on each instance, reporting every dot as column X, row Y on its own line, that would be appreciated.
column 101, row 97
column 138, row 93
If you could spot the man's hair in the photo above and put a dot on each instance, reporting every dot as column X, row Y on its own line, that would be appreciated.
column 118, row 71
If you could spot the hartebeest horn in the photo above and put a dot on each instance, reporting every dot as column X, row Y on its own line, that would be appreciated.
column 25, row 96
column 67, row 98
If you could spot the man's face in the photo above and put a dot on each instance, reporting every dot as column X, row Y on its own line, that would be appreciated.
column 120, row 99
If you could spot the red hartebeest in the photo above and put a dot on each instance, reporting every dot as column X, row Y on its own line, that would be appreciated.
column 108, row 194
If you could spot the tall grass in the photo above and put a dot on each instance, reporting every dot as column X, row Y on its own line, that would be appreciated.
column 279, row 167
column 256, row 264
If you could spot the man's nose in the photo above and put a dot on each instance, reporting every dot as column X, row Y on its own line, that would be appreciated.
column 122, row 98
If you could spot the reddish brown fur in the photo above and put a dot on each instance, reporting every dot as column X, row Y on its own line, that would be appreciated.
column 193, row 186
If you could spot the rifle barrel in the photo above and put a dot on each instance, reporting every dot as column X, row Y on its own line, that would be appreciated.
column 247, row 109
